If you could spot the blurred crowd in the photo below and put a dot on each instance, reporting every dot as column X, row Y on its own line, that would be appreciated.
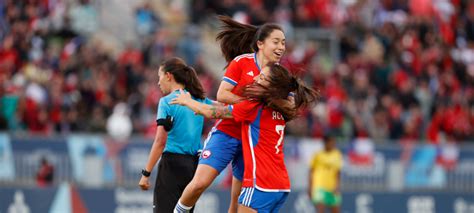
column 405, row 69
column 56, row 77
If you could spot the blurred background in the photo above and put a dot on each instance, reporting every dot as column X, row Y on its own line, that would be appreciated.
column 78, row 98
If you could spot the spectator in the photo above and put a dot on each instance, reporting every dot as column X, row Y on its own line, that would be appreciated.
column 84, row 18
column 379, row 128
column 146, row 21
column 45, row 174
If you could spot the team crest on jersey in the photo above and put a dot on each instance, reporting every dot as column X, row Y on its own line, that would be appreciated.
column 250, row 73
column 206, row 154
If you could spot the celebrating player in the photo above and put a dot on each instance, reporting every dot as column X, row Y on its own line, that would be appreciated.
column 247, row 49
column 266, row 184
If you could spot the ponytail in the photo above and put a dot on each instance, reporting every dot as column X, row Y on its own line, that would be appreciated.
column 185, row 75
column 276, row 94
column 235, row 38
column 293, row 83
column 193, row 85
column 303, row 94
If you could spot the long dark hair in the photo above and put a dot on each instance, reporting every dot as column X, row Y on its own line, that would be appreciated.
column 281, row 84
column 185, row 75
column 236, row 39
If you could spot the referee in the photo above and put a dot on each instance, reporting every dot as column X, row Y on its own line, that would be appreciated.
column 178, row 136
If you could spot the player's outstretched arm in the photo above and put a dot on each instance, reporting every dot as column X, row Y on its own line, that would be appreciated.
column 209, row 111
column 225, row 95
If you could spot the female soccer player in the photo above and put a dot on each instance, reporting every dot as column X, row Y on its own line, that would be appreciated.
column 247, row 49
column 325, row 176
column 266, row 183
column 178, row 136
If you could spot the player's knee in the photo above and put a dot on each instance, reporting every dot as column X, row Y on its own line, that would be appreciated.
column 199, row 185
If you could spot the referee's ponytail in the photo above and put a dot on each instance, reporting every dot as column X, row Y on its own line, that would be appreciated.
column 185, row 75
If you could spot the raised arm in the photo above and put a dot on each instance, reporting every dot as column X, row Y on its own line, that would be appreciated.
column 216, row 110
column 225, row 95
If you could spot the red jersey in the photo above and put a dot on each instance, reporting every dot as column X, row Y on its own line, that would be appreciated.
column 240, row 72
column 262, row 147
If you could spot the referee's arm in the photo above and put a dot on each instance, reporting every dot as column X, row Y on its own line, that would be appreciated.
column 155, row 154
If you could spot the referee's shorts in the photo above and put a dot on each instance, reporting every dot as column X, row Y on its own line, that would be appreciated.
column 175, row 171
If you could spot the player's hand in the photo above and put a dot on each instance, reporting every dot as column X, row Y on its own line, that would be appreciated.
column 182, row 98
column 144, row 183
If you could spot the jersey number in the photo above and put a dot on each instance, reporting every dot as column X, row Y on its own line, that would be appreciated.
column 280, row 129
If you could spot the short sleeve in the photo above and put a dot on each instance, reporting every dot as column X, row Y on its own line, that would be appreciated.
column 232, row 73
column 245, row 110
column 163, row 109
column 207, row 101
